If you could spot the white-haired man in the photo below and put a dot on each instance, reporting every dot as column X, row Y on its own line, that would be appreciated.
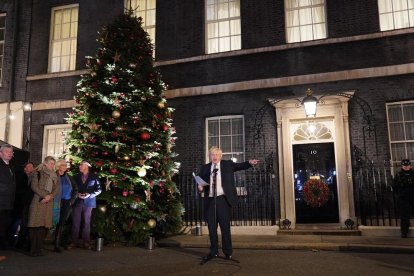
column 218, row 203
column 7, row 192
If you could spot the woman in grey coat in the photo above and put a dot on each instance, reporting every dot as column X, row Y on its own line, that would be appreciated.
column 45, row 185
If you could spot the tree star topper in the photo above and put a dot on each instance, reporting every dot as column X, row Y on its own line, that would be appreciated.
column 117, row 57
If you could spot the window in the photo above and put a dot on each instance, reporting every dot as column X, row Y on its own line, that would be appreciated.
column 226, row 132
column 2, row 39
column 146, row 9
column 396, row 14
column 64, row 32
column 401, row 130
column 54, row 140
column 305, row 20
column 223, row 31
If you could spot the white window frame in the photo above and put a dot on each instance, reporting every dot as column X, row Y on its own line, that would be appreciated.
column 46, row 145
column 300, row 26
column 230, row 41
column 396, row 160
column 234, row 154
column 72, row 40
column 2, row 42
column 396, row 17
column 150, row 10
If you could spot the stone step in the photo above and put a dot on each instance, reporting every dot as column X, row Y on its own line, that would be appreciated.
column 319, row 232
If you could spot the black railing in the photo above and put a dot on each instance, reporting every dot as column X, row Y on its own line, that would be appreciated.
column 256, row 189
column 375, row 201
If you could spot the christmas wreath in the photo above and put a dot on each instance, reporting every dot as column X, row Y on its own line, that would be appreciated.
column 315, row 192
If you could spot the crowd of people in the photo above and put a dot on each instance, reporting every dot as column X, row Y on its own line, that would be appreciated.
column 38, row 199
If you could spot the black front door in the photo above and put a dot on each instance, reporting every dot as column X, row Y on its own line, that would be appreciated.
column 316, row 196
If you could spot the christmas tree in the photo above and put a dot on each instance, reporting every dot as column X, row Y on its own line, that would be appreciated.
column 123, row 127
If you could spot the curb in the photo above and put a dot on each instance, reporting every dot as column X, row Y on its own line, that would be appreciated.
column 343, row 247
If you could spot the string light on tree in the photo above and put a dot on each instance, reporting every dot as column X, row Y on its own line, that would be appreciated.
column 142, row 172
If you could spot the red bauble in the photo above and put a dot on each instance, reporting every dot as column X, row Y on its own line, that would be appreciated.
column 145, row 136
column 124, row 193
column 165, row 127
column 99, row 163
column 105, row 153
column 113, row 170
column 114, row 79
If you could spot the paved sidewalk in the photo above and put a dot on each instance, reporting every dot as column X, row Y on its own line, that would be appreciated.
column 370, row 244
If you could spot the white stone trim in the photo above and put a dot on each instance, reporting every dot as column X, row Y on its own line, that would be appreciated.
column 335, row 109
column 57, row 75
column 53, row 105
column 363, row 73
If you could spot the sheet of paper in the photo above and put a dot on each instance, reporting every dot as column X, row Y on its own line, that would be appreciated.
column 200, row 181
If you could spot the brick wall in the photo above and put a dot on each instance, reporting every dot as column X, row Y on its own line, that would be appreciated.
column 347, row 18
column 307, row 60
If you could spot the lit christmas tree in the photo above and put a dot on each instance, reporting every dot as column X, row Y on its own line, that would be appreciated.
column 123, row 127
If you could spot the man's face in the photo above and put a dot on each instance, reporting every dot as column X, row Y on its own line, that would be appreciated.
column 406, row 167
column 50, row 165
column 28, row 169
column 83, row 168
column 6, row 154
column 215, row 157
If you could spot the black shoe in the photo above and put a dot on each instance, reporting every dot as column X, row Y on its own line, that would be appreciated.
column 228, row 257
column 57, row 249
column 404, row 235
column 209, row 257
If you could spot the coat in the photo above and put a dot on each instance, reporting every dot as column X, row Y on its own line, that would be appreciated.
column 41, row 214
column 227, row 169
column 404, row 184
column 7, row 186
column 91, row 186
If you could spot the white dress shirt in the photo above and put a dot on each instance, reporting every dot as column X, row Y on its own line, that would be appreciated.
column 218, row 180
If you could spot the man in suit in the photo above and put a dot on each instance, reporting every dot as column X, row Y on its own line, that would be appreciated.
column 7, row 194
column 222, row 173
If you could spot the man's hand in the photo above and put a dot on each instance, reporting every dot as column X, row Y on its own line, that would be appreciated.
column 200, row 188
column 253, row 162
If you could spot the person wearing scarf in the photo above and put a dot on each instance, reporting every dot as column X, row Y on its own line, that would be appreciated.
column 45, row 185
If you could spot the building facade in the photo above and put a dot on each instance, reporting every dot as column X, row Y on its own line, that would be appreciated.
column 237, row 73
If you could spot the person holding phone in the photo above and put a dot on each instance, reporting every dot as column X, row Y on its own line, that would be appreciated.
column 89, row 188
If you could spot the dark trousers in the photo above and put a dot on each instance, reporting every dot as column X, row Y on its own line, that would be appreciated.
column 37, row 235
column 5, row 219
column 81, row 216
column 23, row 239
column 222, row 218
column 406, row 210
column 65, row 211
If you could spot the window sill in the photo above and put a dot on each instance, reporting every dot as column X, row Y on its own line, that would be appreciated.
column 57, row 75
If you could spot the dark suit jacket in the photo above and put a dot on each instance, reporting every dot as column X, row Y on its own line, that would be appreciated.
column 227, row 169
column 92, row 186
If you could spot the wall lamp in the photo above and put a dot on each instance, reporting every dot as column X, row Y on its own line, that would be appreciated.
column 310, row 102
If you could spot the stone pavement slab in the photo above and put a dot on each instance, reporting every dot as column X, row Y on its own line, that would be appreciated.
column 300, row 242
